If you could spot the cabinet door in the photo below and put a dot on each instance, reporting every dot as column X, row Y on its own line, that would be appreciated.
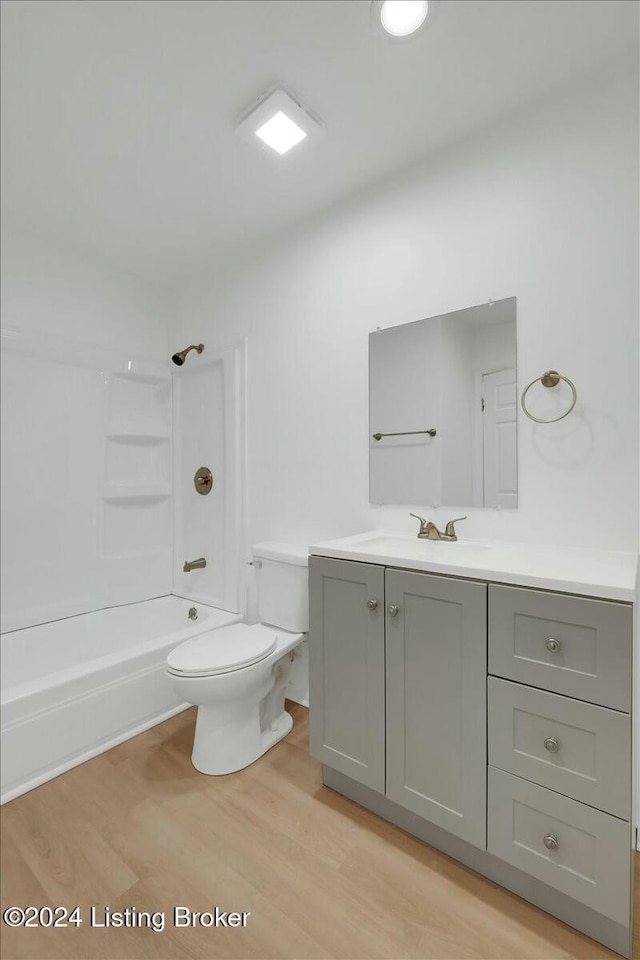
column 346, row 664
column 436, row 655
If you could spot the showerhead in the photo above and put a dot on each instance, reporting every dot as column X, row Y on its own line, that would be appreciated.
column 179, row 358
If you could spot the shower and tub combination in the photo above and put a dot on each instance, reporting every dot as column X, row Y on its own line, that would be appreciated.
column 101, row 572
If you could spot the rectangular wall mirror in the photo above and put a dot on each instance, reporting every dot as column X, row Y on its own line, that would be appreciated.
column 442, row 410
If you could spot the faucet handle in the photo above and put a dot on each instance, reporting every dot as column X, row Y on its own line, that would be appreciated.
column 428, row 530
column 450, row 530
column 423, row 522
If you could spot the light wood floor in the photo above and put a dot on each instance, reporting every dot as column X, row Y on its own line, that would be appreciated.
column 139, row 827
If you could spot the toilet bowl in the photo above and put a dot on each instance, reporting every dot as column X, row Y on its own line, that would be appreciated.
column 237, row 675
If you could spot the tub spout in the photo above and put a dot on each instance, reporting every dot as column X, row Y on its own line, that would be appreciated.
column 190, row 565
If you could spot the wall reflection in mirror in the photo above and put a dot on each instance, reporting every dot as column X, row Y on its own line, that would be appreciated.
column 456, row 375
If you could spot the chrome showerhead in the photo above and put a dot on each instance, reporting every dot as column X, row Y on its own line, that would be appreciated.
column 179, row 358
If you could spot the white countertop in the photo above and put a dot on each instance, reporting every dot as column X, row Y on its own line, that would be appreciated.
column 607, row 574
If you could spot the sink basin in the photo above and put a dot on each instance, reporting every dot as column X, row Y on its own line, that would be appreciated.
column 412, row 547
column 398, row 550
column 408, row 550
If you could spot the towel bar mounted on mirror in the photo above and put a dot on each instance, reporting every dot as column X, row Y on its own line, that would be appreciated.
column 551, row 378
column 403, row 433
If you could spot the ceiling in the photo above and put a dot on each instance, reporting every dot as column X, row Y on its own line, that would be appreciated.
column 119, row 115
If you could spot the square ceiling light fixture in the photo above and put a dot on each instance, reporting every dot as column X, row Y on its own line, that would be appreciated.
column 278, row 123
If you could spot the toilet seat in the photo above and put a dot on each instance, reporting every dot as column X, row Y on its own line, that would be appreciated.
column 222, row 650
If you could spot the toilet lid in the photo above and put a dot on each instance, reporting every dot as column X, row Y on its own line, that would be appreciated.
column 222, row 650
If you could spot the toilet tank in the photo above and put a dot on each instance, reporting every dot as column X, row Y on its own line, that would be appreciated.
column 282, row 574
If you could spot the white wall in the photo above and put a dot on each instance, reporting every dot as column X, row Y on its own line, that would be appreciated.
column 493, row 348
column 54, row 289
column 86, row 466
column 543, row 207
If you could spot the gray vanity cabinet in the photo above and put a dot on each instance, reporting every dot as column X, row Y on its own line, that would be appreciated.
column 436, row 664
column 346, row 660
column 493, row 721
column 434, row 630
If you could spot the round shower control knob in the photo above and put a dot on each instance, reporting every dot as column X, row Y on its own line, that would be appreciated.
column 392, row 610
column 372, row 604
column 551, row 841
column 552, row 745
column 552, row 645
column 203, row 481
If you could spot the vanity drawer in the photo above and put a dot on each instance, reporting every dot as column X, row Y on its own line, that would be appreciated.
column 584, row 853
column 566, row 745
column 571, row 645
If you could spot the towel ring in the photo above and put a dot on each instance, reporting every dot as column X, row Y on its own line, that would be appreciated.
column 550, row 379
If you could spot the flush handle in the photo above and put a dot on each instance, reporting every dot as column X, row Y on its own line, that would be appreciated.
column 372, row 604
column 552, row 645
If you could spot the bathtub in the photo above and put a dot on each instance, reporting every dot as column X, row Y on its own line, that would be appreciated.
column 76, row 687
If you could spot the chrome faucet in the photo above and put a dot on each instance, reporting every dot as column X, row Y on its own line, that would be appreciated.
column 190, row 565
column 429, row 531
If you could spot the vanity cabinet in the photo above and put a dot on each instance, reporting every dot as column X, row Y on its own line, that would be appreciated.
column 491, row 720
column 346, row 668
column 560, row 743
column 572, row 847
column 412, row 647
column 436, row 663
column 575, row 646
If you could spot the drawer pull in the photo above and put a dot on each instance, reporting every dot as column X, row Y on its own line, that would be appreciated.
column 552, row 745
column 551, row 841
column 552, row 645
column 372, row 604
column 392, row 610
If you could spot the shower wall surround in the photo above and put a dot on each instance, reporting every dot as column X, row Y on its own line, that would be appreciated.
column 208, row 431
column 86, row 479
column 86, row 437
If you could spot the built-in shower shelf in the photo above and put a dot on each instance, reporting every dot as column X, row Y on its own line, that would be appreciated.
column 136, row 491
column 148, row 435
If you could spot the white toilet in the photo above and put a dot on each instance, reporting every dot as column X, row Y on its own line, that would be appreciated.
column 237, row 675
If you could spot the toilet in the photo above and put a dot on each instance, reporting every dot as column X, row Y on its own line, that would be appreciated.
column 237, row 675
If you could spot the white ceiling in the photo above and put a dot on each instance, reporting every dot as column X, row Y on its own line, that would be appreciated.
column 119, row 115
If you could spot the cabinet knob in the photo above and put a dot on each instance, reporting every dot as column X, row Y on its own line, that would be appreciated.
column 551, row 841
column 393, row 610
column 372, row 604
column 552, row 645
column 552, row 745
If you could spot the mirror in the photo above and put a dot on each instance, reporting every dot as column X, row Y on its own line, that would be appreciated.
column 442, row 410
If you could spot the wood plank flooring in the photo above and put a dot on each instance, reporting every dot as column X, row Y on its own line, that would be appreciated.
column 138, row 827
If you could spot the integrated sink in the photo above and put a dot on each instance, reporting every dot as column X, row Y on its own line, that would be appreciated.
column 587, row 571
column 405, row 547
column 397, row 550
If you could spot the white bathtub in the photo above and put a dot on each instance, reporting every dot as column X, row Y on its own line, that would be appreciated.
column 76, row 687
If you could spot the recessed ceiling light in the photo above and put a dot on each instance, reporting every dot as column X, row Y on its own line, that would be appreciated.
column 279, row 123
column 403, row 18
column 280, row 133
